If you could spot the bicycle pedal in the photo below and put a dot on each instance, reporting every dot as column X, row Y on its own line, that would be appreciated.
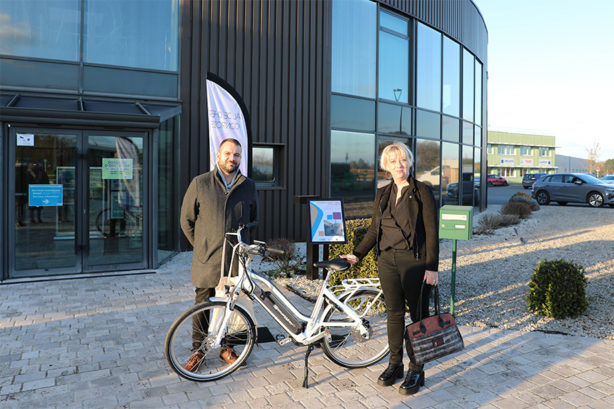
column 281, row 339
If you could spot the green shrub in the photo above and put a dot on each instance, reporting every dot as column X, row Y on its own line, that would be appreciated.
column 524, row 198
column 521, row 194
column 367, row 267
column 520, row 209
column 558, row 289
column 490, row 222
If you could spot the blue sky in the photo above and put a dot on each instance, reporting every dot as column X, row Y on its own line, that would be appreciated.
column 551, row 71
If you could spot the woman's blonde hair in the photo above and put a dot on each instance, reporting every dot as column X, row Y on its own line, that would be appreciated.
column 400, row 149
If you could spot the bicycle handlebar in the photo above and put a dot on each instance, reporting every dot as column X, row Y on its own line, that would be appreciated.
column 261, row 246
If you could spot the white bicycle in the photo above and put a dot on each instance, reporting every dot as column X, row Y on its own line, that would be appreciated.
column 348, row 321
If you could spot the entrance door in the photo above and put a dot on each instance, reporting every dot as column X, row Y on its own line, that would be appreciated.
column 115, row 198
column 44, row 214
column 78, row 202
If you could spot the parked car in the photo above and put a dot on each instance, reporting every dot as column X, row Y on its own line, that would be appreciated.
column 530, row 178
column 608, row 178
column 496, row 180
column 564, row 188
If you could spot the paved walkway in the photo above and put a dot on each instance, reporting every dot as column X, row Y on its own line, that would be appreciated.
column 98, row 343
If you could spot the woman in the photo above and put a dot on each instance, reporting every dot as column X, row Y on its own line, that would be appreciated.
column 404, row 232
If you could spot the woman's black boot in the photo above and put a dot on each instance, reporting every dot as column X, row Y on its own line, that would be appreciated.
column 412, row 383
column 390, row 375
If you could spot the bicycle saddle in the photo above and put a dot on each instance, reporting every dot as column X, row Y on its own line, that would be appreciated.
column 336, row 264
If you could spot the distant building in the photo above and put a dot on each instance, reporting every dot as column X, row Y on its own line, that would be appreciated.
column 571, row 164
column 512, row 155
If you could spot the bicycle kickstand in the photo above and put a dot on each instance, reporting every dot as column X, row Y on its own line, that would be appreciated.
column 306, row 379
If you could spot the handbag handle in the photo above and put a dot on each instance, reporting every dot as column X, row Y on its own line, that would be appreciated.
column 436, row 304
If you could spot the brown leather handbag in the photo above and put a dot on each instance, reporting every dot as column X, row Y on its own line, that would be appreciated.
column 433, row 337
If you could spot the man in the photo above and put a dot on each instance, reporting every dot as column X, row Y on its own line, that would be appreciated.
column 215, row 203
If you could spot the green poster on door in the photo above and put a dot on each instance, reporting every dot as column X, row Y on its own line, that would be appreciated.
column 113, row 168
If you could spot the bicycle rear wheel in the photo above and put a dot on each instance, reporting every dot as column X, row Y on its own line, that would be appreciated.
column 190, row 335
column 346, row 346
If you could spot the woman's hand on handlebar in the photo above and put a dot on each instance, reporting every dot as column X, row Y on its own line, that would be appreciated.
column 352, row 259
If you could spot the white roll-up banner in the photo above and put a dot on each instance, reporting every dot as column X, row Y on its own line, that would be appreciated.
column 226, row 120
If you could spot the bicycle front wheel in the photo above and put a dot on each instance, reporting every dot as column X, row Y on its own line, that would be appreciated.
column 346, row 346
column 189, row 342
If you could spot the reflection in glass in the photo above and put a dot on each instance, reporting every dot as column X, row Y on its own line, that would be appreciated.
column 467, row 133
column 132, row 33
column 478, row 137
column 477, row 170
column 468, row 190
column 353, row 170
column 382, row 176
column 451, row 77
column 428, row 85
column 393, row 67
column 478, row 93
column 262, row 164
column 354, row 47
column 450, row 170
column 115, row 200
column 450, row 128
column 428, row 124
column 392, row 22
column 45, row 226
column 393, row 119
column 427, row 165
column 41, row 29
column 352, row 113
column 468, row 85
column 168, row 187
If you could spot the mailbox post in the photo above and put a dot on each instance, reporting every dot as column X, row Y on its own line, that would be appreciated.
column 455, row 222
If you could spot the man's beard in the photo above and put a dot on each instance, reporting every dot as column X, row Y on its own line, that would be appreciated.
column 228, row 167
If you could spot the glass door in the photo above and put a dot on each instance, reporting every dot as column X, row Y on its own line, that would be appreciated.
column 44, row 182
column 115, row 196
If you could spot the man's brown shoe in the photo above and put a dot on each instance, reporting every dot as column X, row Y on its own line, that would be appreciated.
column 194, row 361
column 229, row 355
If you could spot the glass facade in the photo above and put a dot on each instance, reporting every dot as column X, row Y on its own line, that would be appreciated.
column 168, row 187
column 439, row 119
column 354, row 39
column 428, row 68
column 41, row 29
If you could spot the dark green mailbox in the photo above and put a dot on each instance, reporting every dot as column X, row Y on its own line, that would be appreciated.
column 455, row 222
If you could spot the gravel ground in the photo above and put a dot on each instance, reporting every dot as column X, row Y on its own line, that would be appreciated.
column 493, row 272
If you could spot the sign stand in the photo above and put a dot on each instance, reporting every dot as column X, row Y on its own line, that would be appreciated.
column 455, row 222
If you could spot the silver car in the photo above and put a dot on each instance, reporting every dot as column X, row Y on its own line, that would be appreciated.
column 564, row 188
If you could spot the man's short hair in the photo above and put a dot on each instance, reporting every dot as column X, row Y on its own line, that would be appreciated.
column 232, row 140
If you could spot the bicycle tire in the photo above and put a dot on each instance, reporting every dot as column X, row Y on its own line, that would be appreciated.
column 103, row 229
column 345, row 346
column 179, row 345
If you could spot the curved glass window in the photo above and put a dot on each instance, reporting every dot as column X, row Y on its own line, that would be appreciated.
column 467, row 133
column 478, row 93
column 468, row 85
column 354, row 47
column 393, row 59
column 352, row 157
column 451, row 77
column 427, row 164
column 132, row 33
column 450, row 129
column 352, row 113
column 41, row 29
column 449, row 171
column 428, row 84
column 428, row 124
column 393, row 119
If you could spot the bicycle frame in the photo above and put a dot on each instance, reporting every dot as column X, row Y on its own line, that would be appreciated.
column 314, row 326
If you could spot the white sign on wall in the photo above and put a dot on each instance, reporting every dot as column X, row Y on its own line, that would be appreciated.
column 545, row 162
column 526, row 162
column 506, row 162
